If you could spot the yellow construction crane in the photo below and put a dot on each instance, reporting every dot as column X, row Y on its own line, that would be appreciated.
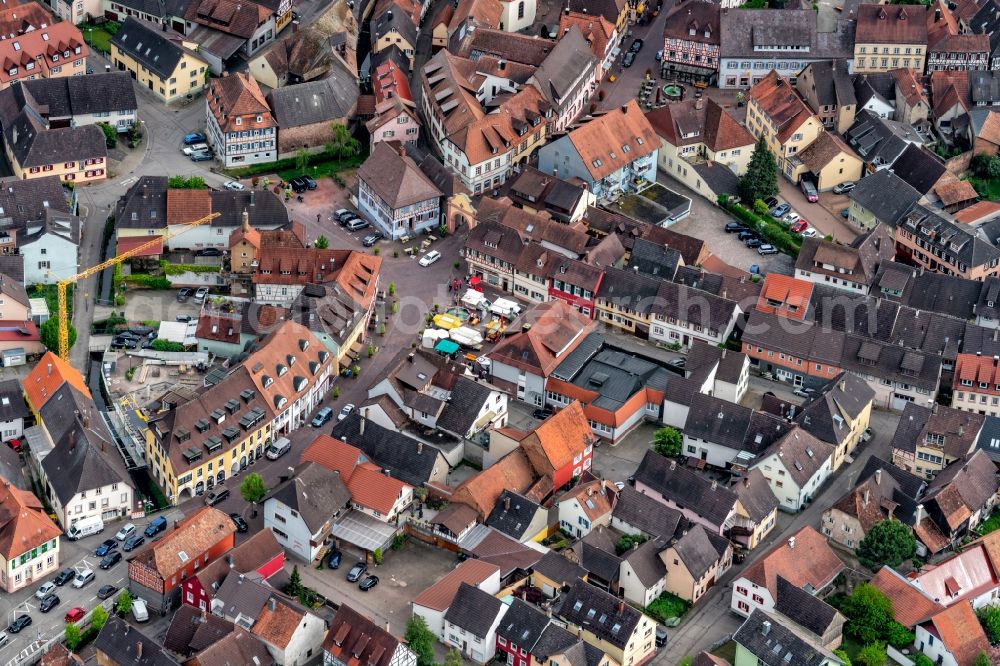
column 135, row 251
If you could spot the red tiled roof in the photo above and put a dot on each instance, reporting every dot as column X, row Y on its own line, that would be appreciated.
column 373, row 489
column 961, row 633
column 185, row 206
column 778, row 100
column 977, row 211
column 23, row 522
column 333, row 454
column 790, row 292
column 559, row 439
column 18, row 331
column 39, row 46
column 811, row 562
column 127, row 243
column 439, row 595
column 599, row 142
column 887, row 24
column 910, row 605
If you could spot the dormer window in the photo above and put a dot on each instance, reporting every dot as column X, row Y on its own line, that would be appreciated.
column 260, row 119
column 12, row 71
column 239, row 121
column 597, row 164
column 77, row 51
column 626, row 148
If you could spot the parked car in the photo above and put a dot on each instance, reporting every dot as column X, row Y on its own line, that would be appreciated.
column 333, row 559
column 183, row 294
column 195, row 148
column 345, row 411
column 372, row 238
column 111, row 559
column 298, row 184
column 767, row 249
column 235, row 186
column 19, row 623
column 75, row 614
column 201, row 294
column 356, row 572
column 800, row 226
column 139, row 610
column 158, row 525
column 809, row 189
column 217, row 495
column 106, row 547
column 845, row 213
column 636, row 46
column 45, row 590
column 106, row 591
column 134, row 542
column 322, row 416
column 429, row 258
column 343, row 215
column 809, row 233
column 755, row 269
column 736, row 228
column 241, row 525
column 780, row 210
column 278, row 448
column 208, row 252
column 771, row 202
column 193, row 138
column 183, row 318
column 368, row 583
column 747, row 234
column 310, row 183
column 661, row 635
column 753, row 242
column 678, row 362
column 65, row 576
column 628, row 59
column 127, row 530
column 791, row 218
column 48, row 603
column 356, row 224
column 84, row 577
column 844, row 188
column 201, row 157
column 15, row 444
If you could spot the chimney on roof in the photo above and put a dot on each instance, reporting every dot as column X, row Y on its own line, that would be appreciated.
column 920, row 514
column 241, row 578
column 246, row 221
column 715, row 485
column 138, row 650
column 361, row 431
column 621, row 607
column 50, row 368
column 791, row 542
column 411, row 357
column 387, row 626
column 699, row 103
column 420, row 448
column 506, row 503
column 867, row 495
column 232, row 562
column 765, row 628
column 673, row 465
column 878, row 477
column 72, row 440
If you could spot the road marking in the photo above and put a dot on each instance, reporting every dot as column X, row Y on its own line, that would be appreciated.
column 120, row 579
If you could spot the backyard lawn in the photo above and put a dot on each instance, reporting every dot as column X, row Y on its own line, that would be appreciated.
column 988, row 188
column 98, row 37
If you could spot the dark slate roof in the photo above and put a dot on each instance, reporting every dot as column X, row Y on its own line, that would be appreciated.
column 513, row 521
column 12, row 265
column 989, row 438
column 718, row 421
column 919, row 167
column 315, row 492
column 149, row 47
column 654, row 259
column 558, row 568
column 606, row 617
column 315, row 101
column 755, row 495
column 823, row 418
column 696, row 551
column 459, row 413
column 554, row 641
column 263, row 208
column 122, row 643
column 77, row 95
column 885, row 195
column 473, row 610
column 645, row 561
column 189, row 632
column 941, row 235
column 646, row 514
column 597, row 561
column 909, row 484
column 629, row 290
column 522, row 624
column 402, row 457
column 682, row 485
column 33, row 145
column 776, row 644
column 242, row 596
column 693, row 306
column 804, row 609
column 144, row 204
column 84, row 457
column 878, row 141
column 12, row 404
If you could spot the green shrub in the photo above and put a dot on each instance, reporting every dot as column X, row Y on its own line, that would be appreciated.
column 166, row 346
column 178, row 269
column 667, row 606
column 145, row 281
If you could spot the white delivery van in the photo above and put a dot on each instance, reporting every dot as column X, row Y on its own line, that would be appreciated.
column 139, row 610
column 278, row 449
column 85, row 527
column 505, row 308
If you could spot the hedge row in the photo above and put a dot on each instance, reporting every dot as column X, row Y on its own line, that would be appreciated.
column 147, row 281
column 178, row 269
column 769, row 229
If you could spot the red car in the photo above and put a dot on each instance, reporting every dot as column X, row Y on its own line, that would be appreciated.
column 14, row 444
column 75, row 614
column 800, row 226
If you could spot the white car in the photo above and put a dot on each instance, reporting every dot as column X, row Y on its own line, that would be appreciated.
column 45, row 590
column 430, row 258
column 84, row 577
column 792, row 218
column 235, row 186
column 127, row 530
column 201, row 294
column 345, row 412
column 809, row 233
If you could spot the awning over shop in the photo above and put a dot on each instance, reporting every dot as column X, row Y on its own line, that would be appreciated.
column 446, row 346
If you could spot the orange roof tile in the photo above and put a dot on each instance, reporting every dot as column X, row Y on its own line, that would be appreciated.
column 596, row 30
column 127, row 243
column 237, row 96
column 776, row 98
column 810, row 563
column 792, row 294
column 594, row 498
column 910, row 605
column 978, row 211
column 439, row 595
column 600, row 141
column 23, row 521
column 333, row 454
column 277, row 626
column 39, row 46
column 961, row 633
column 955, row 192
column 46, row 378
column 371, row 488
column 281, row 369
column 512, row 472
column 194, row 536
column 559, row 439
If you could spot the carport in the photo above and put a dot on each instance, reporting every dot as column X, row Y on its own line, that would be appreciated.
column 363, row 531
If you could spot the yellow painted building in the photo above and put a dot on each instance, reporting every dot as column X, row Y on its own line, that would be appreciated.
column 890, row 37
column 163, row 62
column 776, row 112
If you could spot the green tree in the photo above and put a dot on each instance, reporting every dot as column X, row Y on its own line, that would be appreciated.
column 761, row 208
column 73, row 636
column 343, row 144
column 667, row 442
column 761, row 178
column 899, row 636
column 888, row 542
column 377, row 556
column 110, row 134
column 842, row 655
column 453, row 658
column 166, row 346
column 252, row 488
column 321, row 243
column 123, row 604
column 989, row 617
column 294, row 587
column 301, row 160
column 686, row 661
column 49, row 333
column 872, row 654
column 923, row 660
column 98, row 617
column 628, row 541
column 186, row 183
column 421, row 640
column 869, row 614
column 981, row 660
